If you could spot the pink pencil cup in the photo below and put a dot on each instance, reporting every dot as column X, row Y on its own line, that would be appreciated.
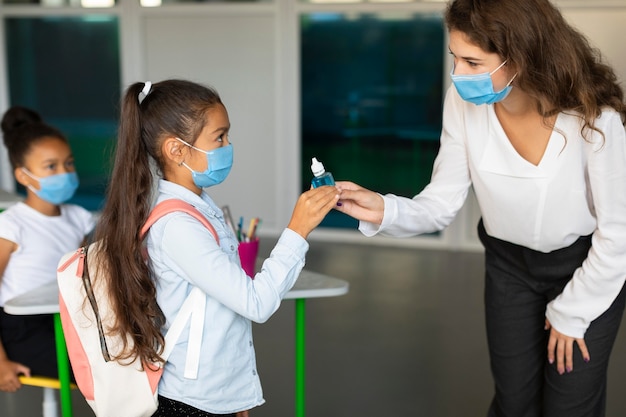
column 248, row 252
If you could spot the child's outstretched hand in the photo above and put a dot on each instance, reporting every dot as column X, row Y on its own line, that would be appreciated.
column 311, row 208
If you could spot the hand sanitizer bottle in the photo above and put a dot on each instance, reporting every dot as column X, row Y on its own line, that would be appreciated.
column 321, row 176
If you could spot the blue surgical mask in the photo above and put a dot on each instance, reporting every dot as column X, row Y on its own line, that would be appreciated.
column 55, row 189
column 478, row 88
column 219, row 163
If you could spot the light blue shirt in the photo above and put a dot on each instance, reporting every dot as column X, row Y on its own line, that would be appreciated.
column 183, row 254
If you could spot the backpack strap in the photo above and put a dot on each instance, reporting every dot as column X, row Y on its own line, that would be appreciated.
column 193, row 309
column 172, row 205
column 194, row 306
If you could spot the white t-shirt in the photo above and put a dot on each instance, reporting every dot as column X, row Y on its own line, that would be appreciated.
column 578, row 188
column 42, row 241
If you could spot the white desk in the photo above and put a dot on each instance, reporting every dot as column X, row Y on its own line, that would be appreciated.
column 45, row 300
column 315, row 285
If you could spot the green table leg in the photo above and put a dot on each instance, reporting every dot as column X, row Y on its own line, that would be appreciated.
column 64, row 368
column 300, row 356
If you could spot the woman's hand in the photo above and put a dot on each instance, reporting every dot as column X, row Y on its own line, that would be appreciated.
column 561, row 347
column 311, row 208
column 360, row 203
column 9, row 372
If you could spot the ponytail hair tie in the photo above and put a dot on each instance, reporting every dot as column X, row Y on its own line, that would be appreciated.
column 145, row 91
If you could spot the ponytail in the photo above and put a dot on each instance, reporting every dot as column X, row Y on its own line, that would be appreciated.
column 127, row 206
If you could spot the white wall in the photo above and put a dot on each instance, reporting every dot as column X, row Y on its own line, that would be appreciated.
column 249, row 53
column 240, row 65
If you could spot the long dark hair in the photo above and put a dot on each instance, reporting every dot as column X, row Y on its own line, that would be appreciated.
column 22, row 128
column 556, row 64
column 170, row 108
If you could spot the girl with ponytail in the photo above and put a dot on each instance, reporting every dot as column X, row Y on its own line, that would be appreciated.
column 180, row 129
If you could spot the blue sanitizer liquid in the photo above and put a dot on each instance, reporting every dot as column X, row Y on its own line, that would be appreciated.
column 326, row 179
column 321, row 177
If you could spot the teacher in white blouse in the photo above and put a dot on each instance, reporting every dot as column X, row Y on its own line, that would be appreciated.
column 535, row 124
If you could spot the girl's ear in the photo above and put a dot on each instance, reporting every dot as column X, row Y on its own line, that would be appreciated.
column 173, row 151
column 21, row 177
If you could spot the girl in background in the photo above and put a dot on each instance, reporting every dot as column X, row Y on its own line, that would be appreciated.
column 183, row 128
column 34, row 234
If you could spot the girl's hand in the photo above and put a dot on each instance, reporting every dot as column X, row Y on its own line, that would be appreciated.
column 311, row 208
column 9, row 372
column 562, row 347
column 360, row 203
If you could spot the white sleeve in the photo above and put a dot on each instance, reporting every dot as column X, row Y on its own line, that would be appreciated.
column 9, row 229
column 596, row 284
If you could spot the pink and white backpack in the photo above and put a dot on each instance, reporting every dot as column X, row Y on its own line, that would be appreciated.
column 114, row 389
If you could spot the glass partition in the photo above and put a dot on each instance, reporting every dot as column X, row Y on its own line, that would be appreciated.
column 372, row 93
column 157, row 3
column 62, row 3
column 68, row 70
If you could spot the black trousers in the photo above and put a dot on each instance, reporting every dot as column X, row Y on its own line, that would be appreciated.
column 173, row 408
column 29, row 340
column 519, row 283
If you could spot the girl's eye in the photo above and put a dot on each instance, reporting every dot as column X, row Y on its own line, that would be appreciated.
column 220, row 138
column 472, row 64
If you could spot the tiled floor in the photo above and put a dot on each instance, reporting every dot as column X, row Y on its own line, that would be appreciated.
column 407, row 340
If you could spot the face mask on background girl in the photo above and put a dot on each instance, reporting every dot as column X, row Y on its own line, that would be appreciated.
column 55, row 189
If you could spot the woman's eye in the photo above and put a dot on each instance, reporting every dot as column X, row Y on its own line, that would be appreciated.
column 220, row 138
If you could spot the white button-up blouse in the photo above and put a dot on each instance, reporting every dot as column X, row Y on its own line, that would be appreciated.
column 577, row 189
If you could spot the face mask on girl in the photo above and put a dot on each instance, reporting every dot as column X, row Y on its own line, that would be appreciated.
column 219, row 163
column 478, row 88
column 55, row 189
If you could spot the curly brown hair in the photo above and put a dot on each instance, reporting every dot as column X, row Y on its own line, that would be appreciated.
column 555, row 63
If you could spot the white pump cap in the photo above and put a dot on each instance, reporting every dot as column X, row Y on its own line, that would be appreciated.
column 317, row 167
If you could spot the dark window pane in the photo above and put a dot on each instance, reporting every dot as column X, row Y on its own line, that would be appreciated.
column 68, row 69
column 372, row 93
column 62, row 3
column 157, row 3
